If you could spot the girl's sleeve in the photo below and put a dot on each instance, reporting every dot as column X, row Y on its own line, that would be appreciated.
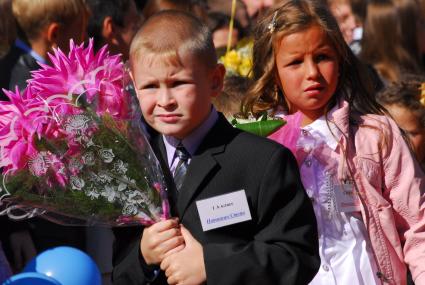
column 405, row 180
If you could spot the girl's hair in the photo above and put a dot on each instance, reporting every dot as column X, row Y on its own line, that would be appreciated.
column 292, row 16
column 390, row 38
column 407, row 94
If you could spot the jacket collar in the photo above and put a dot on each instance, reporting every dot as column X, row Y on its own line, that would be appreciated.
column 205, row 162
column 341, row 117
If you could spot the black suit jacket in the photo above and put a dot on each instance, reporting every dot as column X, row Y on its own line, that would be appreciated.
column 278, row 246
column 15, row 69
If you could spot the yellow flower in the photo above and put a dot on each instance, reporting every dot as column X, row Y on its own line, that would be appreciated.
column 238, row 61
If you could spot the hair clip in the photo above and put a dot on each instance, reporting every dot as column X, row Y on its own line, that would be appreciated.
column 272, row 26
column 422, row 88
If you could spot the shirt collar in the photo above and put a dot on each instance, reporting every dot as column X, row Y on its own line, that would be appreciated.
column 193, row 140
column 23, row 46
column 326, row 131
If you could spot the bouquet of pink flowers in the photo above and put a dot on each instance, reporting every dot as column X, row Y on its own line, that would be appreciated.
column 71, row 145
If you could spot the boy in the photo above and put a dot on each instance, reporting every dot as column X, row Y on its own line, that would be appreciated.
column 263, row 230
column 42, row 25
column 113, row 22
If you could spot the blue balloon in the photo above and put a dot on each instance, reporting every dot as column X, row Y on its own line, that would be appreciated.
column 33, row 278
column 67, row 265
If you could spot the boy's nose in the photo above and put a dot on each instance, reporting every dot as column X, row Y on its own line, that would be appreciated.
column 165, row 98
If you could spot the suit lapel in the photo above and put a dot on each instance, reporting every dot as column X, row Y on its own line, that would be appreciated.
column 161, row 153
column 203, row 164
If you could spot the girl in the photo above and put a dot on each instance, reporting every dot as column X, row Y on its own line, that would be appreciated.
column 359, row 173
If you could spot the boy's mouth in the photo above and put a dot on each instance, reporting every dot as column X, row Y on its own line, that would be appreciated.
column 169, row 118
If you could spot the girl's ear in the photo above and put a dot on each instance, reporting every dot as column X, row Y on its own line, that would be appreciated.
column 217, row 79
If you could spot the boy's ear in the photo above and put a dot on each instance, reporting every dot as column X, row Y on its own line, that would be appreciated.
column 52, row 34
column 218, row 79
column 108, row 28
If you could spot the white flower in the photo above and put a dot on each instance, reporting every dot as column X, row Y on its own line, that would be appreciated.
column 122, row 186
column 93, row 194
column 107, row 155
column 136, row 197
column 120, row 166
column 76, row 123
column 130, row 209
column 110, row 193
column 77, row 183
column 104, row 178
column 75, row 164
column 88, row 158
column 39, row 164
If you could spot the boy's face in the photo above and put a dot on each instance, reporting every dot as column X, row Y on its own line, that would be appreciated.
column 175, row 99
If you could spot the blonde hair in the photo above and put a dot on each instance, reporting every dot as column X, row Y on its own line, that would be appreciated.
column 292, row 16
column 170, row 35
column 33, row 15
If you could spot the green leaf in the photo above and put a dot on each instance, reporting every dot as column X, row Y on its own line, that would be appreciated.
column 261, row 128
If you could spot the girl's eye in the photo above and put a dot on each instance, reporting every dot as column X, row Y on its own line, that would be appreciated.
column 322, row 57
column 295, row 62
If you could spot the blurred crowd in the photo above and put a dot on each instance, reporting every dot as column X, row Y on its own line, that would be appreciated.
column 387, row 35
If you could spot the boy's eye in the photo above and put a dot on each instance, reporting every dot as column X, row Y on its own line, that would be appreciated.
column 178, row 83
column 149, row 86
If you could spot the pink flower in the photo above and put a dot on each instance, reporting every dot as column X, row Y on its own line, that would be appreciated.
column 97, row 78
column 20, row 120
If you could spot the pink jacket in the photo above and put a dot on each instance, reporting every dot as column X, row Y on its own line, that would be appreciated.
column 391, row 186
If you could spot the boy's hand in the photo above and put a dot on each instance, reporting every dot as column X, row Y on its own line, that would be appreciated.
column 186, row 266
column 159, row 239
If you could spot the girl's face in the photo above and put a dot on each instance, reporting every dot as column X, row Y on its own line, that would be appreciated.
column 308, row 68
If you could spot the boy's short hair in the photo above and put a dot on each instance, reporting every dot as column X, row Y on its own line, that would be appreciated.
column 33, row 15
column 100, row 9
column 172, row 34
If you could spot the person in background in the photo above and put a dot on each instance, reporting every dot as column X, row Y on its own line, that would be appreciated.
column 41, row 26
column 113, row 22
column 390, row 41
column 366, row 187
column 176, row 76
column 230, row 100
column 347, row 22
column 241, row 13
column 7, row 27
column 198, row 8
column 219, row 26
column 256, row 8
column 405, row 104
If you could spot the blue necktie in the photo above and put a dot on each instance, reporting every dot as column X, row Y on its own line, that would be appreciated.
column 182, row 165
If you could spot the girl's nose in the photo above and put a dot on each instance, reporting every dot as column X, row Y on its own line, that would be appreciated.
column 312, row 70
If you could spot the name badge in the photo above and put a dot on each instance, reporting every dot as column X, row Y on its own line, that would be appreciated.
column 223, row 210
column 347, row 199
